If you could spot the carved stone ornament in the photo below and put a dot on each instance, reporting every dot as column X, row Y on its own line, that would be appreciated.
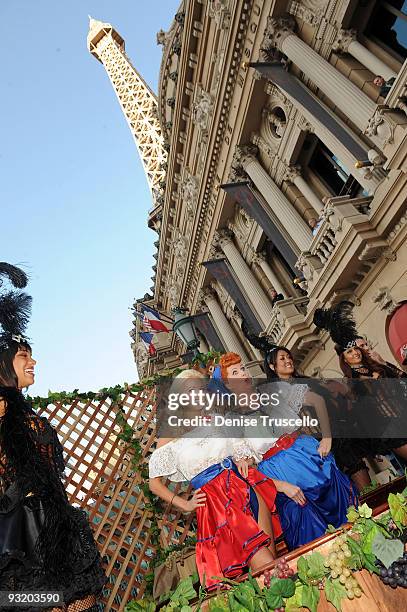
column 380, row 127
column 161, row 37
column 189, row 192
column 276, row 32
column 141, row 357
column 313, row 16
column 290, row 173
column 343, row 39
column 304, row 265
column 206, row 295
column 330, row 214
column 263, row 145
column 202, row 109
column 218, row 10
column 386, row 300
column 179, row 244
column 174, row 292
column 257, row 258
column 223, row 237
column 244, row 154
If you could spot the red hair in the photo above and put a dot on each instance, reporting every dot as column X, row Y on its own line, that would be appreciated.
column 226, row 361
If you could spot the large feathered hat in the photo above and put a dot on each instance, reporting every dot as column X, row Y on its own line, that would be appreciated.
column 340, row 323
column 15, row 306
column 260, row 342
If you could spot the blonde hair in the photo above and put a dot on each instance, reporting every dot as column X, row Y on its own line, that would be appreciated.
column 190, row 374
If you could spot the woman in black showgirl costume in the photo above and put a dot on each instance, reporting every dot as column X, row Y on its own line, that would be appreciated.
column 45, row 543
column 378, row 408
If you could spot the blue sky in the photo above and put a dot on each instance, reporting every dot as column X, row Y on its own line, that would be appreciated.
column 73, row 195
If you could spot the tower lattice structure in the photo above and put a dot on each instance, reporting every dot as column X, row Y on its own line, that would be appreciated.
column 138, row 102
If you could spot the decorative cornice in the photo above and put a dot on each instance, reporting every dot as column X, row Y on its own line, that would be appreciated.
column 276, row 32
column 342, row 41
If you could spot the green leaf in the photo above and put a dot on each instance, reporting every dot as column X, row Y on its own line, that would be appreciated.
column 234, row 605
column 186, row 609
column 352, row 514
column 302, row 569
column 279, row 588
column 310, row 597
column 387, row 551
column 219, row 604
column 294, row 603
column 184, row 590
column 316, row 568
column 283, row 586
column 140, row 605
column 335, row 592
column 398, row 508
column 331, row 529
column 365, row 511
column 360, row 558
column 368, row 538
column 245, row 595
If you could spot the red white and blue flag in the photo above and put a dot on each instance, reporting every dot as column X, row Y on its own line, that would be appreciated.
column 152, row 319
column 147, row 339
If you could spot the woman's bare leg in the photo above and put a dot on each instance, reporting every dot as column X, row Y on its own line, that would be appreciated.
column 401, row 451
column 265, row 523
column 260, row 559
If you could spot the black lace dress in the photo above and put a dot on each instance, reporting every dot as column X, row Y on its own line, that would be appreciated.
column 26, row 526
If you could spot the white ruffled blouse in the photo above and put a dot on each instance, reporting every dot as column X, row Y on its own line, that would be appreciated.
column 184, row 458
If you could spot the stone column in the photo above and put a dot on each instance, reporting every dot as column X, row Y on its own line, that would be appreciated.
column 250, row 349
column 293, row 175
column 203, row 345
column 229, row 338
column 260, row 260
column 347, row 96
column 346, row 43
column 292, row 223
column 252, row 288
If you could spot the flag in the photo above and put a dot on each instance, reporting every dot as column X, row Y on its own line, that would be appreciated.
column 147, row 339
column 152, row 319
column 143, row 320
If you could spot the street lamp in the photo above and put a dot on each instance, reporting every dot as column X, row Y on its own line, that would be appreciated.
column 185, row 329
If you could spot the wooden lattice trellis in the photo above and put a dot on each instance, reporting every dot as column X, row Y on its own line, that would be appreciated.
column 100, row 479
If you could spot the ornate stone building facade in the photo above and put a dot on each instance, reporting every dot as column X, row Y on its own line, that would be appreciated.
column 270, row 119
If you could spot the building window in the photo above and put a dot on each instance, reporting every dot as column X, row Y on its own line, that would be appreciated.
column 333, row 173
column 388, row 27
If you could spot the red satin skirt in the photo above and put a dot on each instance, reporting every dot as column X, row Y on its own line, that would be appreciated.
column 228, row 535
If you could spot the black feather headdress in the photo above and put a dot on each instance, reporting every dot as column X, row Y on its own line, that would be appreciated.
column 15, row 306
column 260, row 342
column 16, row 276
column 340, row 323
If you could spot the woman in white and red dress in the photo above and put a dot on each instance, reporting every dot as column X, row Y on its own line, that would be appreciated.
column 231, row 535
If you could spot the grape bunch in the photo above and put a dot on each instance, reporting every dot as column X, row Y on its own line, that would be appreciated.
column 396, row 574
column 337, row 562
column 281, row 570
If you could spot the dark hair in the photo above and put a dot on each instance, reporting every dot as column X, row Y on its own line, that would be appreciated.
column 367, row 361
column 8, row 377
column 271, row 359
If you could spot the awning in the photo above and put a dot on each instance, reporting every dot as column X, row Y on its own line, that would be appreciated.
column 396, row 332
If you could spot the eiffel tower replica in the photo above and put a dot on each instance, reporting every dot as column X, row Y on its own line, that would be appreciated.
column 138, row 102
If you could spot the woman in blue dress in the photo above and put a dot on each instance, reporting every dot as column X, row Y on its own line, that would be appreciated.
column 302, row 459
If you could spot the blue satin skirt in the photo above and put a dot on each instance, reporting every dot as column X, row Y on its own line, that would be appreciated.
column 328, row 491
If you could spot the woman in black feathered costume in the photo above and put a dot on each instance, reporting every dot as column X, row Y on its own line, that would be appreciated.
column 45, row 544
column 376, row 406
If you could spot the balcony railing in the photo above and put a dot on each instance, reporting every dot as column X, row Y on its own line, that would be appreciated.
column 341, row 217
